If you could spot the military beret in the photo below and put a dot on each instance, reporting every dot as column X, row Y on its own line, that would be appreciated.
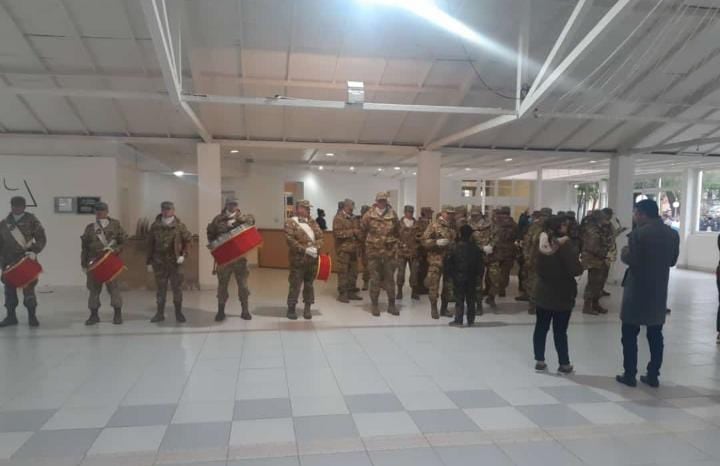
column 347, row 202
column 546, row 212
column 426, row 210
column 504, row 210
column 167, row 205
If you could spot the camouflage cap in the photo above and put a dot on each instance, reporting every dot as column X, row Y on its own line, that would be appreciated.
column 231, row 201
column 17, row 201
column 348, row 202
column 426, row 210
column 571, row 213
column 382, row 195
column 166, row 205
column 476, row 210
column 409, row 208
column 101, row 207
column 303, row 203
column 448, row 209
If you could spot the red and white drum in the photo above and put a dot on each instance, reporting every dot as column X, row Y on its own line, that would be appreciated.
column 22, row 273
column 240, row 242
column 107, row 268
column 324, row 268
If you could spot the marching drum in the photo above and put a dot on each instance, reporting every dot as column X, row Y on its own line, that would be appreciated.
column 107, row 268
column 22, row 273
column 324, row 267
column 231, row 247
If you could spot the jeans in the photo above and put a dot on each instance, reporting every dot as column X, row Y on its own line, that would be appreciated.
column 465, row 294
column 630, row 349
column 560, row 321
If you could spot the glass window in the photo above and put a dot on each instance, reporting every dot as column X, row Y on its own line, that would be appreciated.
column 709, row 218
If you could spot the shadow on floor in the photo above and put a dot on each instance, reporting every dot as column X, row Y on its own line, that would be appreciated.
column 609, row 383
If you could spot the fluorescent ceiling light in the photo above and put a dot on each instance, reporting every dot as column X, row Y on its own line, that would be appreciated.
column 508, row 160
column 593, row 161
column 234, row 151
column 396, row 168
column 352, row 168
column 379, row 169
column 179, row 173
column 467, row 169
column 329, row 154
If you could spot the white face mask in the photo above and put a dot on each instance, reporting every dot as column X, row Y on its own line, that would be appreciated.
column 168, row 220
column 104, row 222
column 231, row 213
column 18, row 217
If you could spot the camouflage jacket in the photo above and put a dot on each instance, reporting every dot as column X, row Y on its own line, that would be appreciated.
column 409, row 239
column 531, row 243
column 32, row 231
column 223, row 223
column 439, row 229
column 381, row 232
column 503, row 235
column 481, row 233
column 167, row 242
column 422, row 225
column 298, row 240
column 347, row 233
column 92, row 245
column 595, row 245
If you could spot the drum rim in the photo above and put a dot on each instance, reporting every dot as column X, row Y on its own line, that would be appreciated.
column 233, row 234
column 94, row 264
column 16, row 265
column 317, row 273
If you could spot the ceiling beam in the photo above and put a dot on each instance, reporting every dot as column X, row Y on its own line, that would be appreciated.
column 484, row 126
column 673, row 146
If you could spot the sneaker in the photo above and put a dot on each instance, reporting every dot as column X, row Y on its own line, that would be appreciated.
column 625, row 379
column 540, row 366
column 566, row 369
column 650, row 381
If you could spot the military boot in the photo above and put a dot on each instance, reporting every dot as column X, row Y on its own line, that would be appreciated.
column 588, row 308
column 94, row 318
column 179, row 316
column 291, row 314
column 490, row 301
column 502, row 294
column 399, row 292
column 365, row 285
column 479, row 308
column 343, row 297
column 415, row 295
column 444, row 309
column 434, row 310
column 159, row 315
column 392, row 308
column 32, row 317
column 375, row 308
column 598, row 308
column 353, row 296
column 117, row 316
column 307, row 312
column 245, row 314
column 10, row 319
column 220, row 316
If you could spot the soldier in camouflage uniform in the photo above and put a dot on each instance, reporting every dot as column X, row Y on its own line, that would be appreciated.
column 481, row 237
column 381, row 230
column 347, row 248
column 168, row 245
column 423, row 222
column 21, row 235
column 437, row 240
column 100, row 237
column 595, row 258
column 530, row 250
column 229, row 219
column 503, row 235
column 304, row 240
column 408, row 253
column 363, row 252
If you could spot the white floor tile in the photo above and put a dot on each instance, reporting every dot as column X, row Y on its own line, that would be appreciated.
column 262, row 431
column 606, row 413
column 385, row 424
column 80, row 418
column 506, row 418
column 210, row 411
column 116, row 440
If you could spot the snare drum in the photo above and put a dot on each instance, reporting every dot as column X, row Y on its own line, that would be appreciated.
column 22, row 273
column 107, row 268
column 240, row 242
column 324, row 268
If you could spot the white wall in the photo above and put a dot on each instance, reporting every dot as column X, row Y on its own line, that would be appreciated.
column 701, row 251
column 53, row 176
column 557, row 195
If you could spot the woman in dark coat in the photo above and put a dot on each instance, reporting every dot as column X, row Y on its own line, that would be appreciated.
column 320, row 220
column 555, row 292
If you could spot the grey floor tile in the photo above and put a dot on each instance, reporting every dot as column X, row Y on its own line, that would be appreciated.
column 540, row 454
column 262, row 409
column 58, row 443
column 657, row 410
column 468, row 399
column 603, row 451
column 574, row 394
column 373, row 403
column 443, row 420
column 706, row 440
column 553, row 416
column 146, row 415
column 314, row 428
column 473, row 455
column 24, row 421
column 665, row 448
column 196, row 436
column 284, row 461
column 358, row 458
column 409, row 457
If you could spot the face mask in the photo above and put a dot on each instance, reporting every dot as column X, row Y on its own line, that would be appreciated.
column 104, row 222
column 18, row 217
column 168, row 220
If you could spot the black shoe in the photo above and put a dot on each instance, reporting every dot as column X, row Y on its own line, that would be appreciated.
column 32, row 318
column 11, row 320
column 625, row 379
column 650, row 381
column 220, row 316
column 179, row 317
column 566, row 369
column 307, row 312
column 470, row 324
column 93, row 319
column 354, row 296
column 455, row 323
column 291, row 314
column 245, row 315
column 522, row 297
column 158, row 317
column 605, row 293
column 117, row 316
column 540, row 366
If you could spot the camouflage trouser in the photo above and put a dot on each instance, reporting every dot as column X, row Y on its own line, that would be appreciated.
column 113, row 289
column 479, row 283
column 240, row 270
column 432, row 282
column 499, row 272
column 165, row 273
column 382, row 271
column 346, row 264
column 530, row 281
column 29, row 298
column 366, row 268
column 403, row 263
column 422, row 269
column 596, row 282
column 522, row 277
column 302, row 276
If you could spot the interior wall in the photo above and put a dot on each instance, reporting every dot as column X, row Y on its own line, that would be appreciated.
column 154, row 188
column 47, row 178
column 701, row 251
column 557, row 195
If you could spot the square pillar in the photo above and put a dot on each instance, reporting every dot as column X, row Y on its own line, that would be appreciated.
column 689, row 199
column 209, row 205
column 620, row 200
column 428, row 180
column 538, row 192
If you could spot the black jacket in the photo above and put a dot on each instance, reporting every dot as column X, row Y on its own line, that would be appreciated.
column 556, row 288
column 464, row 262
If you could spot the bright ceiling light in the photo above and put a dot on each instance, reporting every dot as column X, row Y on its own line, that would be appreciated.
column 321, row 167
column 330, row 154
column 508, row 160
column 234, row 151
column 576, row 186
column 352, row 168
column 396, row 168
column 179, row 173
column 467, row 169
column 593, row 161
column 414, row 173
column 380, row 169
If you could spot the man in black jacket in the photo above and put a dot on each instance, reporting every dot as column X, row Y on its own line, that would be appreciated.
column 463, row 264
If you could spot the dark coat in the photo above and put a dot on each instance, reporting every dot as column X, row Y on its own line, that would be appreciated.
column 652, row 249
column 556, row 288
column 464, row 262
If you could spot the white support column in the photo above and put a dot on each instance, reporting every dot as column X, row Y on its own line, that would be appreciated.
column 538, row 193
column 689, row 198
column 428, row 180
column 620, row 200
column 209, row 204
column 603, row 194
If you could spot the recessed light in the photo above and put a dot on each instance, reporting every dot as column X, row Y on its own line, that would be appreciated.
column 329, row 154
column 380, row 169
column 467, row 169
column 508, row 160
column 179, row 173
column 234, row 151
column 321, row 167
column 396, row 168
column 576, row 186
column 352, row 168
column 414, row 173
column 593, row 161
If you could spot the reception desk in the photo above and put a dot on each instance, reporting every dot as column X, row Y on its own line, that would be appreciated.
column 274, row 251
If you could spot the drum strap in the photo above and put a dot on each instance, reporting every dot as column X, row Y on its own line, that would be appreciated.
column 306, row 228
column 19, row 238
column 101, row 234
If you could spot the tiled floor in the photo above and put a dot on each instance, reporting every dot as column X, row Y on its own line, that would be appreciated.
column 348, row 389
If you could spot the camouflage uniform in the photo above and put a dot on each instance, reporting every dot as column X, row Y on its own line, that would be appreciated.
column 381, row 244
column 423, row 222
column 167, row 243
column 531, row 244
column 503, row 234
column 223, row 224
column 594, row 258
column 303, row 267
column 362, row 252
column 439, row 229
column 11, row 252
column 347, row 246
column 481, row 237
column 96, row 241
column 408, row 253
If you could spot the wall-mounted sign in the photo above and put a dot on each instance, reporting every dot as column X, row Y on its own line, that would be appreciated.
column 86, row 204
column 64, row 205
